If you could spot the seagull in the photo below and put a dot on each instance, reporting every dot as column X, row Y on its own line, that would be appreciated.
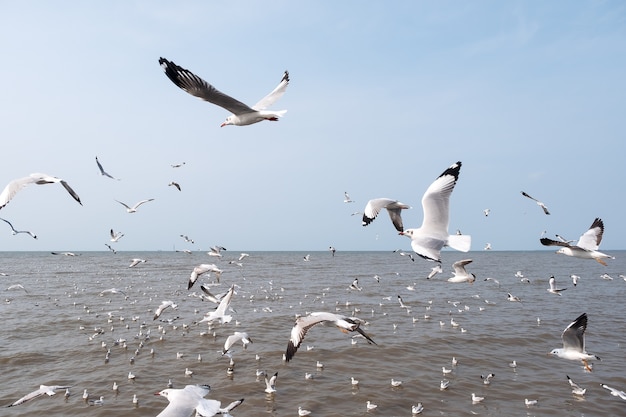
column 43, row 389
column 512, row 297
column 16, row 185
column 175, row 184
column 163, row 306
column 615, row 392
column 460, row 274
column 202, row 269
column 370, row 405
column 355, row 285
column 304, row 323
column 587, row 245
column 434, row 271
column 395, row 383
column 136, row 261
column 332, row 250
column 575, row 279
column 99, row 401
column 574, row 342
column 216, row 251
column 417, row 409
column 428, row 240
column 116, row 236
column 302, row 412
column 220, row 312
column 346, row 198
column 111, row 291
column 307, row 258
column 234, row 338
column 530, row 402
column 15, row 232
column 270, row 383
column 476, row 399
column 183, row 402
column 394, row 208
column 187, row 239
column 177, row 165
column 486, row 212
column 110, row 248
column 134, row 208
column 553, row 289
column 242, row 113
column 444, row 384
column 103, row 172
column 539, row 203
column 576, row 389
column 487, row 379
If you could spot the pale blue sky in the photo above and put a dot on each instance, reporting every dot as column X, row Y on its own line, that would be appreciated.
column 383, row 97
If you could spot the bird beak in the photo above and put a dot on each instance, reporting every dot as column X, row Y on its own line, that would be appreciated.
column 157, row 393
column 401, row 233
column 223, row 124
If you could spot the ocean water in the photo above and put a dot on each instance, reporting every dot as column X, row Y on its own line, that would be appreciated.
column 49, row 333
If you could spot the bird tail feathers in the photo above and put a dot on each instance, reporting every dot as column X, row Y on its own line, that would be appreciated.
column 460, row 242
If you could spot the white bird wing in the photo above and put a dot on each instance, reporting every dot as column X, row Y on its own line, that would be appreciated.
column 230, row 407
column 43, row 389
column 394, row 207
column 574, row 335
column 13, row 188
column 459, row 266
column 141, row 202
column 276, row 93
column 590, row 240
column 271, row 382
column 436, row 201
column 208, row 408
column 232, row 339
column 302, row 326
column 102, row 171
column 225, row 302
column 197, row 87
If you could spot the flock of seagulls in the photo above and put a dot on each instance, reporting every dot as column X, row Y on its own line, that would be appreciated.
column 427, row 241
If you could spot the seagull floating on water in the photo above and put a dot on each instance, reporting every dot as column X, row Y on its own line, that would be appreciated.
column 242, row 113
column 304, row 323
column 270, row 383
column 587, row 245
column 428, row 240
column 16, row 185
column 43, row 389
column 574, row 342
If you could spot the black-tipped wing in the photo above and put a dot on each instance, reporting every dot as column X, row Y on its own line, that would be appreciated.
column 574, row 335
column 196, row 86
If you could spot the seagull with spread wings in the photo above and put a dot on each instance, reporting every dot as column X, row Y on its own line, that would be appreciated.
column 16, row 185
column 242, row 113
column 304, row 323
column 539, row 203
column 574, row 342
column 103, row 172
column 134, row 208
column 587, row 245
column 394, row 208
column 15, row 232
column 43, row 389
column 428, row 240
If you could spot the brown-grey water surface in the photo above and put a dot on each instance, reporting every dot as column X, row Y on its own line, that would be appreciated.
column 49, row 333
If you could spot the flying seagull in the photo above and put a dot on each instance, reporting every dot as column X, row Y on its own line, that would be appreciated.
column 190, row 400
column 346, row 198
column 16, row 185
column 304, row 323
column 14, row 231
column 428, row 240
column 201, row 269
column 539, row 203
column 103, row 172
column 164, row 304
column 394, row 208
column 116, row 236
column 220, row 312
column 587, row 245
column 134, row 208
column 242, row 113
column 234, row 338
column 175, row 184
column 43, row 389
column 553, row 289
column 460, row 274
column 574, row 342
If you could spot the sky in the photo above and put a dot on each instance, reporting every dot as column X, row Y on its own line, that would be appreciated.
column 384, row 96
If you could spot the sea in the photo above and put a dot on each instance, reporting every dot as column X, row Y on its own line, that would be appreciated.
column 58, row 328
